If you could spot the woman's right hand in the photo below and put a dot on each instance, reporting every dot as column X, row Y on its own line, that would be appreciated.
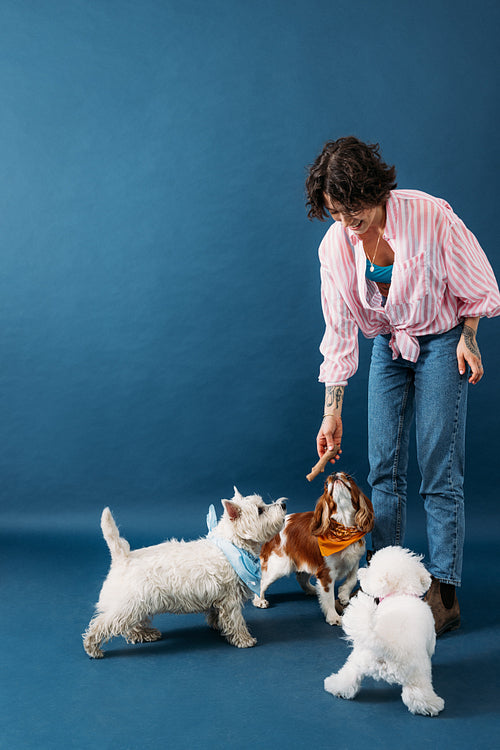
column 330, row 436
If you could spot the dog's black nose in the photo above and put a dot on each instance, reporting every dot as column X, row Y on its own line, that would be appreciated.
column 283, row 504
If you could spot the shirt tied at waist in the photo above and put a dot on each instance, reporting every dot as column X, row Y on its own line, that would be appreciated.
column 404, row 344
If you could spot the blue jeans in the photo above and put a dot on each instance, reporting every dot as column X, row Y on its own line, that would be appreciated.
column 433, row 392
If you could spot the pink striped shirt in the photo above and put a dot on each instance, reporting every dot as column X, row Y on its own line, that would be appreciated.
column 440, row 276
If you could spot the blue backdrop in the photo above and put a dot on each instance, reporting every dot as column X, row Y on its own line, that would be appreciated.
column 159, row 330
column 159, row 289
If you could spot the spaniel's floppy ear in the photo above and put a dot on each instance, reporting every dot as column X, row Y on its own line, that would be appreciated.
column 325, row 507
column 365, row 516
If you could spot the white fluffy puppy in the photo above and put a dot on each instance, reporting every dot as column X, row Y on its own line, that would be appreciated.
column 391, row 631
column 213, row 575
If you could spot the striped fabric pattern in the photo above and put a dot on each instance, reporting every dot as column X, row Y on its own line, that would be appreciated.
column 440, row 276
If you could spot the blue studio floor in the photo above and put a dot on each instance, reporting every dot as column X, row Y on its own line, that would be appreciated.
column 193, row 690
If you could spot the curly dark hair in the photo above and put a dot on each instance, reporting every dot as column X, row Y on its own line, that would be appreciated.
column 352, row 174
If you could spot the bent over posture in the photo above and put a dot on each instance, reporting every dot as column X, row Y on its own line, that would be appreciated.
column 400, row 266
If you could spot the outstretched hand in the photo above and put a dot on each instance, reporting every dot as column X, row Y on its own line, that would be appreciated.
column 329, row 437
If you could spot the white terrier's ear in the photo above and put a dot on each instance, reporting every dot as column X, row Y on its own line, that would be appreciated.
column 237, row 494
column 232, row 510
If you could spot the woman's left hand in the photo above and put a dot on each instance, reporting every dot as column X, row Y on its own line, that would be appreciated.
column 468, row 352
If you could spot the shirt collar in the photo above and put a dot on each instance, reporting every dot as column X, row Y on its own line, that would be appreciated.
column 391, row 208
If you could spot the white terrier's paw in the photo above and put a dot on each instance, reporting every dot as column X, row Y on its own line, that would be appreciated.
column 243, row 641
column 91, row 645
column 144, row 635
column 150, row 635
column 261, row 603
column 94, row 653
column 334, row 685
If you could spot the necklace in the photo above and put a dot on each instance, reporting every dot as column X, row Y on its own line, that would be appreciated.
column 372, row 260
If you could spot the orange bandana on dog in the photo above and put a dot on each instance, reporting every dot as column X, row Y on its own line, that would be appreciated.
column 338, row 538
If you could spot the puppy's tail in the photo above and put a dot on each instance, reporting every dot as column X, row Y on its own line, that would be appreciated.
column 118, row 546
column 358, row 618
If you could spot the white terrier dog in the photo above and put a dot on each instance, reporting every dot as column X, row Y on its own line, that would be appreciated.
column 213, row 575
column 391, row 631
column 326, row 543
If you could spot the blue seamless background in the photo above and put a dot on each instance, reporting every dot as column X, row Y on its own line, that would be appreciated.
column 159, row 294
column 159, row 328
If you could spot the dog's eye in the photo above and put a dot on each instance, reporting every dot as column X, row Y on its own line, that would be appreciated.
column 261, row 510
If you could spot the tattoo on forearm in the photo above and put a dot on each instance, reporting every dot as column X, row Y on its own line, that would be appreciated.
column 333, row 396
column 469, row 335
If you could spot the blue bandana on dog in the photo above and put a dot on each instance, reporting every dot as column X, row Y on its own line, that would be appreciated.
column 246, row 565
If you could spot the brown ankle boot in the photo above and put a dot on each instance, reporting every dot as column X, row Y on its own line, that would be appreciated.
column 444, row 618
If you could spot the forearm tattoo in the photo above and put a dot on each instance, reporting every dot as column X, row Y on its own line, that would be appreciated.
column 469, row 335
column 334, row 395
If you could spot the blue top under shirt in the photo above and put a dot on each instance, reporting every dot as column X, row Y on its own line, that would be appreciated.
column 382, row 274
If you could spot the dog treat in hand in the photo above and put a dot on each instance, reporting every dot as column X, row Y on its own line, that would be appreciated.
column 323, row 461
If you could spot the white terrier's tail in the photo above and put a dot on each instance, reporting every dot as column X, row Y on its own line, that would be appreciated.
column 118, row 546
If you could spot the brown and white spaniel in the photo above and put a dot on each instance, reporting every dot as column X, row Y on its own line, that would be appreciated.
column 326, row 543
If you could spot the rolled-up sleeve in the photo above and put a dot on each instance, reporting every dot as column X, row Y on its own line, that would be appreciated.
column 339, row 346
column 470, row 276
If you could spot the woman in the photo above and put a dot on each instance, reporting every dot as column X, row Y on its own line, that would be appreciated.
column 401, row 267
